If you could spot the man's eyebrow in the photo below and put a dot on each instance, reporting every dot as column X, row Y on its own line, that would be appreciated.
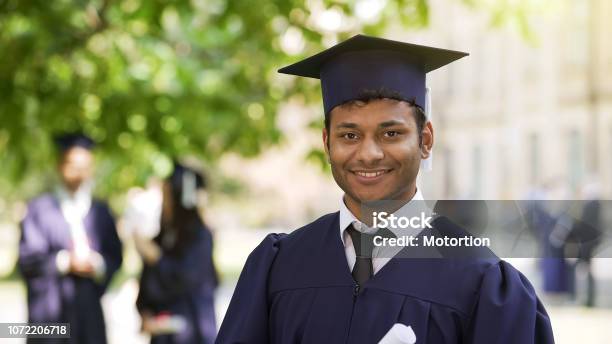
column 390, row 124
column 346, row 125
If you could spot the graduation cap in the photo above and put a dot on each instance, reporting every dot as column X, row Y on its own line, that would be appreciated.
column 185, row 182
column 65, row 142
column 362, row 64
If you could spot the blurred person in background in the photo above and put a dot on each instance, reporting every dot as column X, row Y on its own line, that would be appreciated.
column 69, row 248
column 585, row 237
column 547, row 219
column 176, row 297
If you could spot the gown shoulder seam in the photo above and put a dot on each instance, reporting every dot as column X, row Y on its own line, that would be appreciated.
column 272, row 293
column 462, row 313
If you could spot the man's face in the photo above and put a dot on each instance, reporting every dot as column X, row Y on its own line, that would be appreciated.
column 76, row 167
column 374, row 150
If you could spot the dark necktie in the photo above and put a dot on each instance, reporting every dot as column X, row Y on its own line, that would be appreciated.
column 363, row 270
column 364, row 245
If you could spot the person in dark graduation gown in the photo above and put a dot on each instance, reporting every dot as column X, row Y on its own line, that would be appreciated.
column 176, row 297
column 69, row 249
column 556, row 271
column 316, row 285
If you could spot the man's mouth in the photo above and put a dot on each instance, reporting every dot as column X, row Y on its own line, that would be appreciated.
column 371, row 174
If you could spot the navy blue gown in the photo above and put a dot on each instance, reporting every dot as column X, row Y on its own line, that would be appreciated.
column 183, row 285
column 298, row 288
column 556, row 272
column 53, row 297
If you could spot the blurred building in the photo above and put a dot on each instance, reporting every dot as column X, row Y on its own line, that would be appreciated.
column 524, row 109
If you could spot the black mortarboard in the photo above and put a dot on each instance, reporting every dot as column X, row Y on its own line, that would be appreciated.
column 66, row 141
column 363, row 63
column 185, row 181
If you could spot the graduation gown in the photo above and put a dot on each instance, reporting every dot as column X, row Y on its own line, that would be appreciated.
column 298, row 288
column 53, row 297
column 556, row 273
column 184, row 286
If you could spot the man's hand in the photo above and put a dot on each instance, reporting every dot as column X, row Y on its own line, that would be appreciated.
column 81, row 267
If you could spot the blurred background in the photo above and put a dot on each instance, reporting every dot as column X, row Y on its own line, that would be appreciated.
column 529, row 110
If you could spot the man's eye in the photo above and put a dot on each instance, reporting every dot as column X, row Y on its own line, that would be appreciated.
column 391, row 133
column 350, row 136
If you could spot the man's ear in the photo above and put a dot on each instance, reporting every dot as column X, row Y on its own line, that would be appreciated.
column 326, row 143
column 428, row 140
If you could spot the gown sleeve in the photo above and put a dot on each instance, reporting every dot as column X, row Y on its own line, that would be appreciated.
column 110, row 248
column 246, row 320
column 508, row 310
column 36, row 258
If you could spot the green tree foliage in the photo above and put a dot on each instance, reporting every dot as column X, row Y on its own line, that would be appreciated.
column 153, row 79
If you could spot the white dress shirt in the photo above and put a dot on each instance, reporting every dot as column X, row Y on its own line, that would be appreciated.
column 378, row 258
column 75, row 208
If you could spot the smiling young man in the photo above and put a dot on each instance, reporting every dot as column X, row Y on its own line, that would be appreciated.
column 375, row 145
column 325, row 282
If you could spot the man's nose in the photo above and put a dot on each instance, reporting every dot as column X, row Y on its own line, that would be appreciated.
column 370, row 152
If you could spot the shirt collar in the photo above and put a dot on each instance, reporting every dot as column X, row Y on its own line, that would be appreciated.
column 347, row 218
column 78, row 202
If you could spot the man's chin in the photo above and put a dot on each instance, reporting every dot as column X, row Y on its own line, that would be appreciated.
column 365, row 198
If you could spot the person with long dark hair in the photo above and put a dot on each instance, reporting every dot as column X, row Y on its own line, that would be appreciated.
column 178, row 280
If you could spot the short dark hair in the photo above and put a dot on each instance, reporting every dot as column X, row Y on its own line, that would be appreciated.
column 368, row 95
